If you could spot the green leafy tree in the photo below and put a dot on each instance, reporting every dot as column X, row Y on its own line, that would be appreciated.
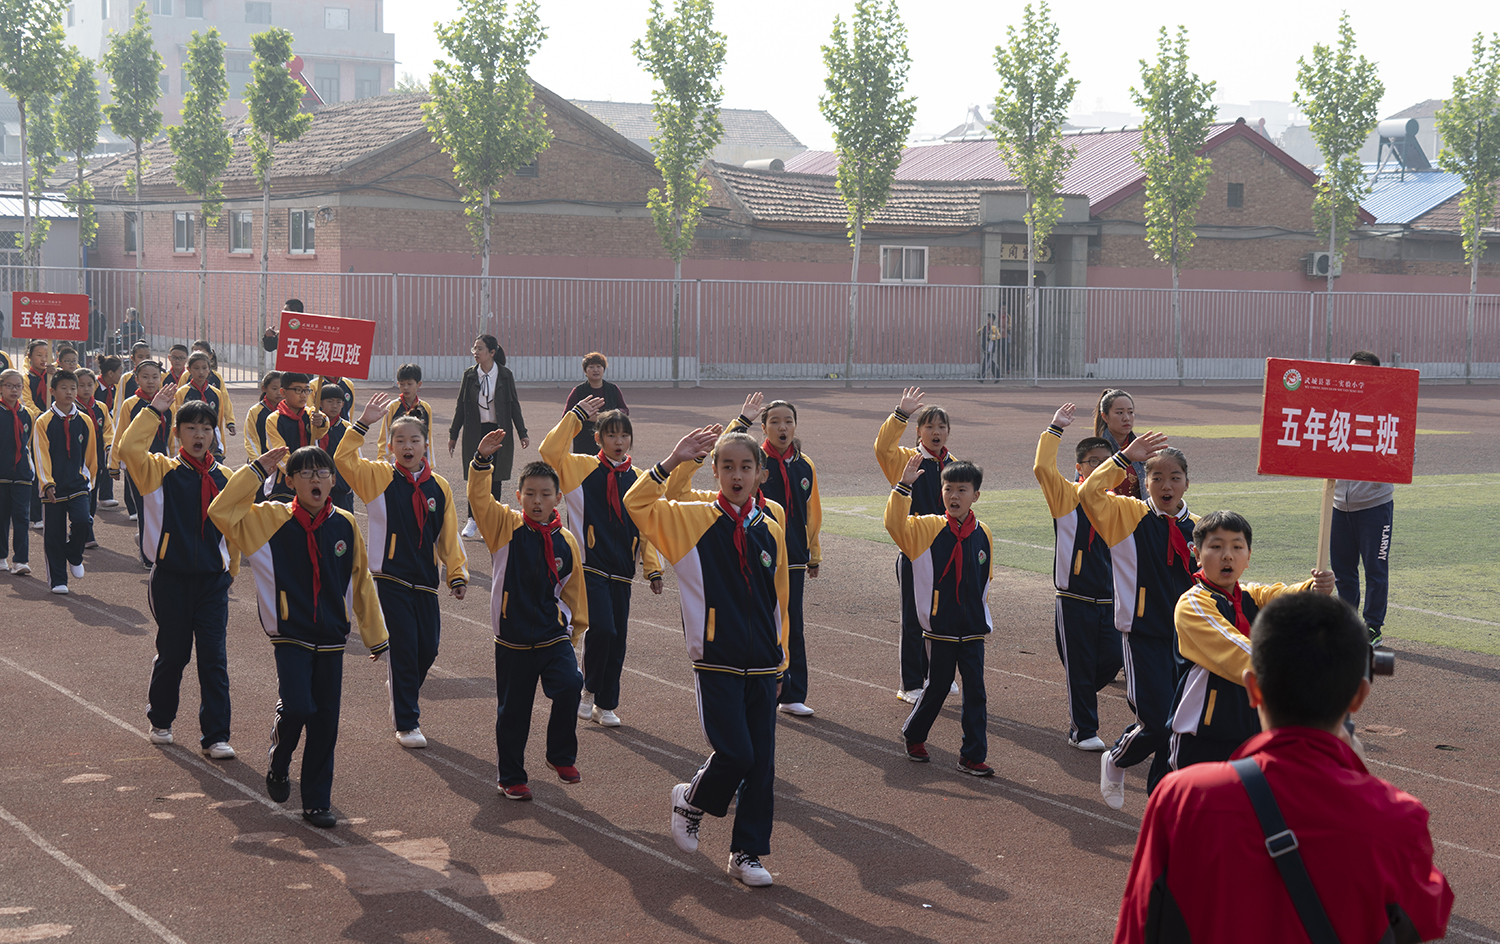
column 1470, row 125
column 867, row 62
column 1178, row 113
column 203, row 146
column 274, row 100
column 409, row 85
column 134, row 68
column 684, row 54
column 1339, row 92
column 31, row 66
column 78, row 120
column 483, row 113
column 1030, row 108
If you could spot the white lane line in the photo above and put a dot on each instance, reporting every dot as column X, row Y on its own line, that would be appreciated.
column 1454, row 845
column 1461, row 619
column 94, row 881
column 1472, row 937
column 1423, row 773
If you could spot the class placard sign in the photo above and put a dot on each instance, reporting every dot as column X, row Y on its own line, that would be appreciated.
column 54, row 316
column 324, row 344
column 1338, row 421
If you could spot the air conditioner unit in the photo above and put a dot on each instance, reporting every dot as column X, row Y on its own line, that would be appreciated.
column 1318, row 264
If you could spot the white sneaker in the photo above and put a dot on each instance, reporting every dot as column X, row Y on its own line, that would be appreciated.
column 1111, row 782
column 36, row 526
column 686, row 819
column 61, row 589
column 953, row 689
column 161, row 735
column 605, row 717
column 796, row 708
column 413, row 738
column 219, row 750
column 109, row 503
column 92, row 544
column 1088, row 744
column 75, row 569
column 7, row 565
column 134, row 517
column 586, row 705
column 909, row 696
column 20, row 570
column 470, row 530
column 748, row 870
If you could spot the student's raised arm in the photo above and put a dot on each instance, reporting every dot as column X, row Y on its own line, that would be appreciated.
column 247, row 525
column 672, row 527
column 557, row 446
column 889, row 452
column 367, row 478
column 913, row 534
column 496, row 521
column 1061, row 495
column 146, row 468
column 1117, row 515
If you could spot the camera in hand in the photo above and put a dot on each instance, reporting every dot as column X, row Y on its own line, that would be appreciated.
column 1382, row 662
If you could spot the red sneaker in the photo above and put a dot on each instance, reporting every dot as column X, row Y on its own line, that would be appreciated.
column 977, row 767
column 917, row 752
column 516, row 791
column 567, row 774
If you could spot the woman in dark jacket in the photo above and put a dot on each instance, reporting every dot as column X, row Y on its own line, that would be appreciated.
column 488, row 387
column 594, row 366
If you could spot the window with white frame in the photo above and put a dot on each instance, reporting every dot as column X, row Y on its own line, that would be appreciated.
column 192, row 9
column 70, row 14
column 130, row 232
column 300, row 226
column 326, row 82
column 161, row 7
column 903, row 263
column 182, row 231
column 241, row 231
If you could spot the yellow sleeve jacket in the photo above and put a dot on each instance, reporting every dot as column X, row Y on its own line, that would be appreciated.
column 66, row 459
column 398, row 409
column 733, row 609
column 404, row 552
column 16, row 465
column 679, row 488
column 174, row 533
column 1081, row 565
column 528, row 610
column 611, row 542
column 795, row 488
column 952, row 602
column 37, row 395
column 345, row 387
column 304, row 598
column 214, row 397
column 130, row 408
column 255, row 430
column 1146, row 583
column 927, row 491
column 104, row 433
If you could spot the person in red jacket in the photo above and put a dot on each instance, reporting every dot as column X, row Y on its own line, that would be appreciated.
column 1202, row 871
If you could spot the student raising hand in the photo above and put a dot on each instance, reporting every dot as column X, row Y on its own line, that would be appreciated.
column 1144, row 447
column 913, row 470
column 911, row 400
column 376, row 408
column 1063, row 418
column 750, row 412
column 490, row 444
column 271, row 459
column 591, row 406
column 164, row 398
column 694, row 445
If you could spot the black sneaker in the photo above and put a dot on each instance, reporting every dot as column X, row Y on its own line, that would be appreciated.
column 323, row 819
column 278, row 787
column 1375, row 637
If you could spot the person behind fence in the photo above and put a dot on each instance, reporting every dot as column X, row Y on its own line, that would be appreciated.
column 104, row 434
column 594, row 366
column 17, row 473
column 410, row 403
column 131, row 331
column 989, row 349
column 192, row 565
column 1083, row 573
column 1114, row 422
column 263, row 411
column 269, row 339
column 199, row 385
column 67, row 462
column 487, row 401
column 1203, row 867
column 1363, row 513
column 148, row 376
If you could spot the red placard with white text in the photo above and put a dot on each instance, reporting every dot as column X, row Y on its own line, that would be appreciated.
column 324, row 344
column 1338, row 421
column 52, row 315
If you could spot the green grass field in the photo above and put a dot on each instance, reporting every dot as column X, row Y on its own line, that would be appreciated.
column 1443, row 567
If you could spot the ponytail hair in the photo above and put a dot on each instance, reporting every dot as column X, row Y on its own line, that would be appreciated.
column 1106, row 400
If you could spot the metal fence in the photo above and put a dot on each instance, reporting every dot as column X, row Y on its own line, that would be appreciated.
column 757, row 331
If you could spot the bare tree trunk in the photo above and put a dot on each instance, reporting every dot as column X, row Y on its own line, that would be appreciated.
column 859, row 229
column 676, row 314
column 1032, row 321
column 203, row 279
column 82, row 249
column 140, row 233
column 265, row 267
column 1333, row 227
column 25, row 203
column 1473, row 291
column 1177, row 308
column 486, row 316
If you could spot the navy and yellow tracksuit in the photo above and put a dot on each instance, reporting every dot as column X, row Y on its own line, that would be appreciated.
column 17, row 480
column 106, row 397
column 67, row 461
column 292, row 431
column 1151, row 571
column 538, row 613
column 104, row 437
column 305, row 596
column 951, row 583
column 405, row 565
column 398, row 408
column 216, row 397
column 255, row 429
column 1087, row 641
column 344, row 386
column 1211, row 713
column 190, row 578
column 926, row 499
column 793, row 485
column 37, row 396
column 611, row 543
column 343, row 492
column 734, row 621
column 130, row 408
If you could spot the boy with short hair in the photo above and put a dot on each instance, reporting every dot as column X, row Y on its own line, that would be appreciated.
column 413, row 526
column 192, row 565
column 263, row 410
column 109, row 386
column 954, row 612
column 67, row 462
column 329, row 406
column 200, row 387
column 104, row 435
column 410, row 403
column 17, row 472
column 67, row 357
column 594, row 487
column 537, row 604
column 310, row 569
column 343, row 386
column 36, row 396
column 295, row 424
column 926, row 499
column 148, row 379
column 1087, row 641
column 177, row 357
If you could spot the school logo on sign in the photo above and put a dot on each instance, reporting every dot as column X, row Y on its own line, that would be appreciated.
column 340, row 548
column 293, row 325
column 765, row 558
column 1292, row 379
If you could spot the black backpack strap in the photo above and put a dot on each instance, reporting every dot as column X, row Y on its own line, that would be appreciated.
column 1281, row 843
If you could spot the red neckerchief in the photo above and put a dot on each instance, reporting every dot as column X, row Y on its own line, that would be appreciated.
column 1177, row 543
column 87, row 405
column 333, row 421
column 265, row 401
column 419, row 500
column 782, row 462
column 108, row 397
column 545, row 532
column 1234, row 596
column 941, row 458
column 402, row 409
column 612, row 482
column 202, row 391
column 171, row 377
column 741, row 542
column 208, row 489
column 311, row 525
column 304, row 434
column 39, row 396
column 67, row 419
column 16, row 420
column 956, row 559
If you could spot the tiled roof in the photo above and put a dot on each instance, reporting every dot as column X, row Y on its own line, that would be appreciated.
column 1420, row 110
column 1398, row 198
column 1447, row 217
column 814, row 199
column 742, row 126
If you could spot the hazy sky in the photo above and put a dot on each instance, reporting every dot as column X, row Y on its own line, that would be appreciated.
column 774, row 62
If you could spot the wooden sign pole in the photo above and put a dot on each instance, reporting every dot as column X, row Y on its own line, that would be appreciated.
column 1325, row 524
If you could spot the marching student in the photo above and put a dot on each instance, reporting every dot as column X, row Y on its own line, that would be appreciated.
column 731, row 565
column 140, row 353
column 346, row 394
column 413, row 526
column 192, row 566
column 66, row 463
column 1149, row 544
column 310, row 569
column 1082, row 571
column 177, row 358
column 343, row 492
column 593, row 487
column 791, row 481
column 213, row 363
column 926, row 499
column 148, row 379
column 955, row 613
column 539, row 609
column 36, row 396
column 104, row 435
column 107, row 394
column 67, row 357
column 17, row 473
column 293, row 426
column 410, row 403
column 199, row 385
column 264, row 409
